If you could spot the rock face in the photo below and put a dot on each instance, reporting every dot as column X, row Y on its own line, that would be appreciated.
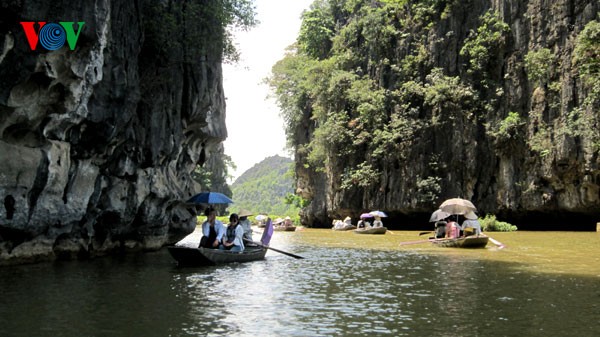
column 543, row 175
column 97, row 144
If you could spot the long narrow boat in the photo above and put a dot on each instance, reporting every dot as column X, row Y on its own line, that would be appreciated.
column 189, row 256
column 345, row 228
column 372, row 230
column 478, row 241
column 284, row 228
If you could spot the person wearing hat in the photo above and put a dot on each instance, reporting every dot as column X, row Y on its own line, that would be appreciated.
column 287, row 222
column 377, row 222
column 348, row 221
column 471, row 221
column 245, row 223
column 343, row 225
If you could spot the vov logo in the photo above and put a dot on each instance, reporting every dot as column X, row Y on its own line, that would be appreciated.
column 52, row 36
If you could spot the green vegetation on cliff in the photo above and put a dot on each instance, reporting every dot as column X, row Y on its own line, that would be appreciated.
column 264, row 187
column 371, row 88
column 397, row 104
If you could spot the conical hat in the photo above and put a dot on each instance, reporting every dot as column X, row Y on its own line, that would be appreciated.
column 244, row 212
column 471, row 215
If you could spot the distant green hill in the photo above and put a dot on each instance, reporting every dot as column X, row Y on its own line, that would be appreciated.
column 263, row 187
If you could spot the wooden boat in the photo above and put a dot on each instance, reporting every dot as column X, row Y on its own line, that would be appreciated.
column 189, row 256
column 345, row 228
column 475, row 241
column 372, row 230
column 284, row 228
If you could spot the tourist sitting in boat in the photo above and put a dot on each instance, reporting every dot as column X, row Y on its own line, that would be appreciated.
column 440, row 229
column 212, row 230
column 347, row 221
column 471, row 221
column 287, row 221
column 246, row 225
column 234, row 235
column 343, row 225
column 364, row 223
column 452, row 230
column 377, row 222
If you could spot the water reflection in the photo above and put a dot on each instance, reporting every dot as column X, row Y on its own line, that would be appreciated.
column 338, row 290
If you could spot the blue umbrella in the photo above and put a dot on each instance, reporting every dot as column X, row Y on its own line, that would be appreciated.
column 210, row 198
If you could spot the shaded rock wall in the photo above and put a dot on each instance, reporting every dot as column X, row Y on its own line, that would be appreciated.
column 533, row 189
column 97, row 144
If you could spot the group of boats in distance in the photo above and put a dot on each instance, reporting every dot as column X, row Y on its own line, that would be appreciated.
column 279, row 224
column 369, row 223
column 371, row 230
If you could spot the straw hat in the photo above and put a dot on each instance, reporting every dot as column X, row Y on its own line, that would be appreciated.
column 277, row 221
column 244, row 212
column 471, row 215
column 288, row 218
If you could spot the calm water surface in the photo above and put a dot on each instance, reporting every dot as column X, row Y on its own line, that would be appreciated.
column 541, row 284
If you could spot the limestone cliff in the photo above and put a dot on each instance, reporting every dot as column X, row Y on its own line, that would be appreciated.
column 469, row 106
column 97, row 144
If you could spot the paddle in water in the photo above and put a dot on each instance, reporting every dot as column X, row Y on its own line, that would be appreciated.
column 415, row 242
column 275, row 249
column 266, row 238
column 496, row 242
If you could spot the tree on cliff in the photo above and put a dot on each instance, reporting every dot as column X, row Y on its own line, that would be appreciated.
column 198, row 25
column 398, row 104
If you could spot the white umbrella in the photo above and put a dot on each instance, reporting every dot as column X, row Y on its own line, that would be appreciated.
column 457, row 206
column 438, row 215
column 260, row 217
column 378, row 213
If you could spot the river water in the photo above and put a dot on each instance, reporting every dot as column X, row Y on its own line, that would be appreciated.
column 541, row 284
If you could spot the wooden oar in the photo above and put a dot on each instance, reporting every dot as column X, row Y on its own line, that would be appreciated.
column 497, row 243
column 415, row 242
column 423, row 233
column 277, row 250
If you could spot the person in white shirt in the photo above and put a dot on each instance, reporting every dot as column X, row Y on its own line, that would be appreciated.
column 377, row 222
column 234, row 236
column 246, row 224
